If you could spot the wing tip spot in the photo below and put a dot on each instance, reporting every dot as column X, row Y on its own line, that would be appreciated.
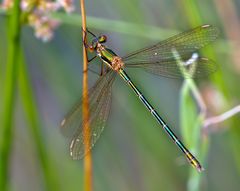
column 206, row 26
column 63, row 122
column 205, row 59
column 71, row 145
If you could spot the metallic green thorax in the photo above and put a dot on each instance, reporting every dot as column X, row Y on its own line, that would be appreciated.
column 107, row 55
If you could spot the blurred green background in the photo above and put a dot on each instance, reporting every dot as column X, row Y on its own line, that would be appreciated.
column 133, row 153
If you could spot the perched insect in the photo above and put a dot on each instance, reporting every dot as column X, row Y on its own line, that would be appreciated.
column 158, row 59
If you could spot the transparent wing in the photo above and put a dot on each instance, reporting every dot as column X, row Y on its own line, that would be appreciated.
column 99, row 105
column 159, row 58
column 202, row 67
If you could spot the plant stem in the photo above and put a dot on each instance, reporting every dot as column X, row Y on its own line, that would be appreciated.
column 31, row 112
column 86, row 127
column 9, row 94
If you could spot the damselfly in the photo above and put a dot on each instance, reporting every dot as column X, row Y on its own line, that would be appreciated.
column 158, row 59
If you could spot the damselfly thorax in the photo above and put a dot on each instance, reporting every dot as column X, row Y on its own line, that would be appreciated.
column 109, row 58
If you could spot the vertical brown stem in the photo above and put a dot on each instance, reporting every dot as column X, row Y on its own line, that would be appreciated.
column 86, row 128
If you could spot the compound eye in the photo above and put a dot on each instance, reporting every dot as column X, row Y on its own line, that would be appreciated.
column 102, row 39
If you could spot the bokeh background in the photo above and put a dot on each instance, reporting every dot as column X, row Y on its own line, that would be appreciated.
column 133, row 153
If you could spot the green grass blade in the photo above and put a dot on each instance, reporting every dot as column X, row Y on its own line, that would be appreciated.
column 116, row 26
column 191, row 123
column 9, row 95
column 31, row 112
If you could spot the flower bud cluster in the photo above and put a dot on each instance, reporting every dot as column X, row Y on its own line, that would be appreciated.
column 37, row 14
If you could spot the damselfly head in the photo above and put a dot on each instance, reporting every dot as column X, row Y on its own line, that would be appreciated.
column 102, row 39
column 97, row 41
